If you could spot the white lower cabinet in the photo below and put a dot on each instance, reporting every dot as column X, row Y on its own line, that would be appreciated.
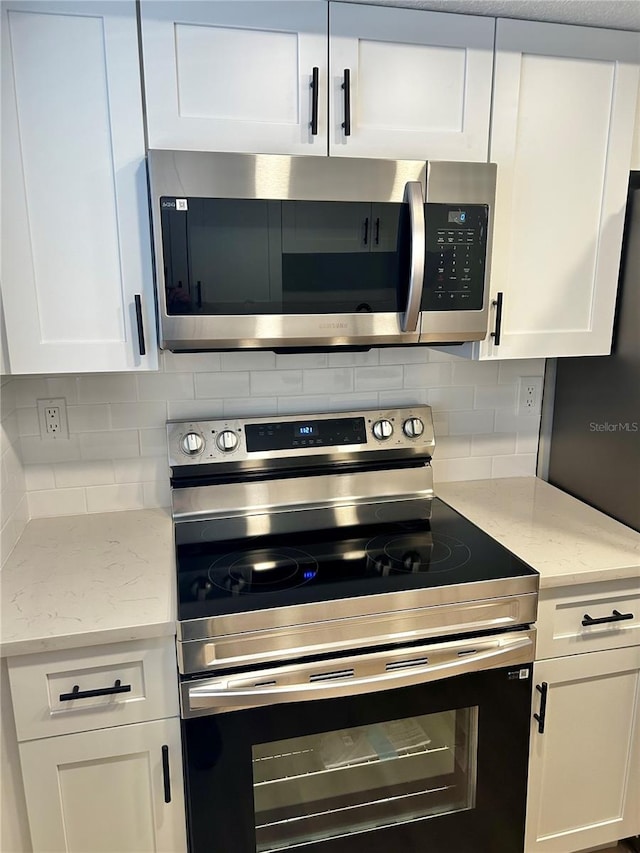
column 117, row 789
column 584, row 767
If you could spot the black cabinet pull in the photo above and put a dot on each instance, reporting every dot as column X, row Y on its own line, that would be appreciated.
column 496, row 334
column 615, row 617
column 542, row 690
column 314, row 102
column 76, row 693
column 376, row 237
column 165, row 774
column 366, row 231
column 346, row 124
column 141, row 344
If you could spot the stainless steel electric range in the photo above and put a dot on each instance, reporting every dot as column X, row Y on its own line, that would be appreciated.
column 355, row 656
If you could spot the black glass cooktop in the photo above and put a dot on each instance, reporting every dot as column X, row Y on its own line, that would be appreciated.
column 216, row 578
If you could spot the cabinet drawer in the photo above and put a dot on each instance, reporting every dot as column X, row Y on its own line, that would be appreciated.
column 610, row 609
column 77, row 690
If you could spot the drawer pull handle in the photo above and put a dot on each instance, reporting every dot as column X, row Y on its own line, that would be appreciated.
column 165, row 774
column 615, row 617
column 76, row 693
column 314, row 101
column 542, row 690
column 346, row 124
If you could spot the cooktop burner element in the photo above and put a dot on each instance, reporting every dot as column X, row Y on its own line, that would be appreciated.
column 268, row 570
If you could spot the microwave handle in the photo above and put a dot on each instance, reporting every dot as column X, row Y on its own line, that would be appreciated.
column 413, row 196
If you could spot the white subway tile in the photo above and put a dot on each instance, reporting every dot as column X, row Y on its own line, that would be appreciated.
column 165, row 386
column 7, row 395
column 57, row 502
column 185, row 410
column 379, row 378
column 303, row 404
column 436, row 355
column 138, row 415
column 427, row 375
column 495, row 397
column 453, row 447
column 28, row 423
column 260, row 360
column 440, row 424
column 87, row 473
column 39, row 477
column 526, row 442
column 65, row 387
column 89, row 418
column 474, row 372
column 107, row 388
column 509, row 421
column 213, row 385
column 117, row 444
column 299, row 360
column 276, row 382
column 157, row 493
column 35, row 449
column 403, row 397
column 144, row 469
column 466, row 423
column 334, row 380
column 511, row 370
column 191, row 362
column 115, row 498
column 354, row 359
column 451, row 470
column 450, row 399
column 250, row 407
column 404, row 355
column 352, row 402
column 493, row 444
column 10, row 429
column 27, row 391
column 153, row 442
column 9, row 536
column 514, row 466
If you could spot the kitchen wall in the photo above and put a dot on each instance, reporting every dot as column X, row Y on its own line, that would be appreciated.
column 13, row 499
column 115, row 457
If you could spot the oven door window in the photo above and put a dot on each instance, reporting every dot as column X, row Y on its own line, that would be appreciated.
column 359, row 779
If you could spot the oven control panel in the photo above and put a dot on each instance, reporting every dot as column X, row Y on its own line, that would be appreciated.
column 242, row 439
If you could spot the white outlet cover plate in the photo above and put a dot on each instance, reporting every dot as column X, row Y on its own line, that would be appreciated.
column 529, row 404
column 61, row 404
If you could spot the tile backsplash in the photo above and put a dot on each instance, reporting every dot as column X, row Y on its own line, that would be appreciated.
column 14, row 507
column 115, row 456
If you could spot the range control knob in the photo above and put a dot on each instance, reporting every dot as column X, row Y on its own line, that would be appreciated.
column 383, row 430
column 413, row 427
column 227, row 441
column 192, row 443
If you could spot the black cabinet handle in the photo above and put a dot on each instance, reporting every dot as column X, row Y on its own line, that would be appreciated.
column 376, row 238
column 76, row 693
column 542, row 690
column 314, row 102
column 346, row 124
column 141, row 344
column 498, row 304
column 615, row 617
column 366, row 231
column 165, row 774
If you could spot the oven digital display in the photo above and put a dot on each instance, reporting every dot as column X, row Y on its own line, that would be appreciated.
column 306, row 429
column 287, row 435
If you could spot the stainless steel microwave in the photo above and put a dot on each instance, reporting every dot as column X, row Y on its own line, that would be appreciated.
column 277, row 252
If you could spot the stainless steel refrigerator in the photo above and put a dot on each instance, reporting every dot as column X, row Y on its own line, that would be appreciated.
column 595, row 438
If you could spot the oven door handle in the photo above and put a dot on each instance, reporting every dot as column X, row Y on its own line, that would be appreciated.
column 413, row 196
column 338, row 677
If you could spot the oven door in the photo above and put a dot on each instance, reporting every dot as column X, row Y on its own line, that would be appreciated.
column 438, row 765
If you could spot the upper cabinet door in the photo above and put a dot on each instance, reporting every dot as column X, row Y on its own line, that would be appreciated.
column 420, row 83
column 76, row 256
column 564, row 106
column 231, row 76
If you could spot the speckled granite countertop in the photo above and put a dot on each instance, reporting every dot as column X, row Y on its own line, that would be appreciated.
column 89, row 579
column 565, row 540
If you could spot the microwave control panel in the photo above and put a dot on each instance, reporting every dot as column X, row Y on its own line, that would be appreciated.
column 456, row 256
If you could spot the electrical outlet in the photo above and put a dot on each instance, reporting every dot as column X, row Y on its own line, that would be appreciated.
column 529, row 395
column 52, row 417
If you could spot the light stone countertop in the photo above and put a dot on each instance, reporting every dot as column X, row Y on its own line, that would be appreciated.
column 564, row 539
column 85, row 580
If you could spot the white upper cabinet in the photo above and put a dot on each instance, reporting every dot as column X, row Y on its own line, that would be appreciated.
column 419, row 87
column 230, row 76
column 76, row 259
column 564, row 105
